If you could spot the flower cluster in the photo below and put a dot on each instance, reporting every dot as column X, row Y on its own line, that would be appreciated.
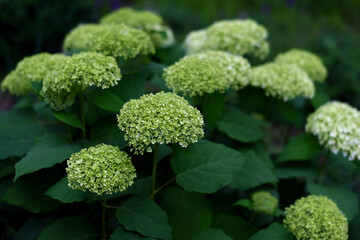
column 76, row 74
column 149, row 22
column 160, row 118
column 337, row 126
column 34, row 68
column 235, row 36
column 206, row 73
column 284, row 81
column 118, row 40
column 102, row 169
column 264, row 202
column 305, row 60
column 316, row 218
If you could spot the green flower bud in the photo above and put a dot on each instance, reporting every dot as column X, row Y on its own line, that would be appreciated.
column 76, row 74
column 160, row 118
column 316, row 218
column 235, row 36
column 102, row 169
column 337, row 126
column 149, row 22
column 264, row 202
column 34, row 68
column 305, row 60
column 207, row 72
column 283, row 81
column 119, row 41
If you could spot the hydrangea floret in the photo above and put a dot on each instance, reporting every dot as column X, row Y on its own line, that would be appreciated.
column 102, row 169
column 149, row 22
column 283, row 81
column 264, row 202
column 76, row 74
column 197, row 74
column 30, row 69
column 316, row 218
column 119, row 41
column 160, row 118
column 337, row 126
column 235, row 36
column 305, row 60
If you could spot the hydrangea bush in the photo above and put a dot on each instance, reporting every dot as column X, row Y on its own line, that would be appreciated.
column 123, row 136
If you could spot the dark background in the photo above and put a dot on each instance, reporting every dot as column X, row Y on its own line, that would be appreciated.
column 327, row 28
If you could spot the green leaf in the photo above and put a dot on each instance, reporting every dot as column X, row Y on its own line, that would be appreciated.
column 205, row 166
column 212, row 106
column 346, row 200
column 274, row 231
column 131, row 86
column 254, row 173
column 240, row 126
column 244, row 203
column 296, row 171
column 105, row 99
column 69, row 119
column 31, row 229
column 120, row 233
column 291, row 113
column 106, row 131
column 301, row 147
column 211, row 234
column 68, row 228
column 320, row 98
column 354, row 230
column 36, row 87
column 188, row 213
column 45, row 153
column 16, row 140
column 28, row 192
column 144, row 216
column 14, row 117
column 6, row 168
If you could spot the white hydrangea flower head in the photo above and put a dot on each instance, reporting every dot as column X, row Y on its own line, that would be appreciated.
column 316, row 218
column 207, row 72
column 238, row 37
column 117, row 40
column 79, row 72
column 337, row 126
column 264, row 202
column 31, row 69
column 305, row 60
column 161, row 118
column 283, row 81
column 151, row 23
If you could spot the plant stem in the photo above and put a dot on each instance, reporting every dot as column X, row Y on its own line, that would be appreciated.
column 104, row 218
column 82, row 114
column 167, row 183
column 153, row 192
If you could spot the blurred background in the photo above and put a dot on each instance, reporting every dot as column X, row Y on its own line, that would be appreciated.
column 330, row 29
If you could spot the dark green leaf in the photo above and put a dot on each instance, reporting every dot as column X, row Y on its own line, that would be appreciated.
column 14, row 117
column 106, row 131
column 131, row 86
column 212, row 106
column 6, row 168
column 144, row 216
column 244, row 203
column 45, row 153
column 295, row 171
column 211, row 234
column 105, row 99
column 31, row 229
column 274, row 231
column 206, row 166
column 354, row 230
column 69, row 119
column 301, row 147
column 120, row 233
column 254, row 173
column 68, row 228
column 346, row 200
column 36, row 87
column 320, row 98
column 291, row 113
column 188, row 213
column 239, row 126
column 16, row 140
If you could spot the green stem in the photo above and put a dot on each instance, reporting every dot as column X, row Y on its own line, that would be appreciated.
column 153, row 192
column 82, row 114
column 104, row 218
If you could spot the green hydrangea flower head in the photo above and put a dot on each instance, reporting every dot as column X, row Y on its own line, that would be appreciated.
column 264, row 202
column 79, row 72
column 207, row 72
column 33, row 68
column 337, row 126
column 305, row 60
column 283, row 81
column 235, row 36
column 102, row 169
column 149, row 22
column 119, row 41
column 160, row 118
column 316, row 218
